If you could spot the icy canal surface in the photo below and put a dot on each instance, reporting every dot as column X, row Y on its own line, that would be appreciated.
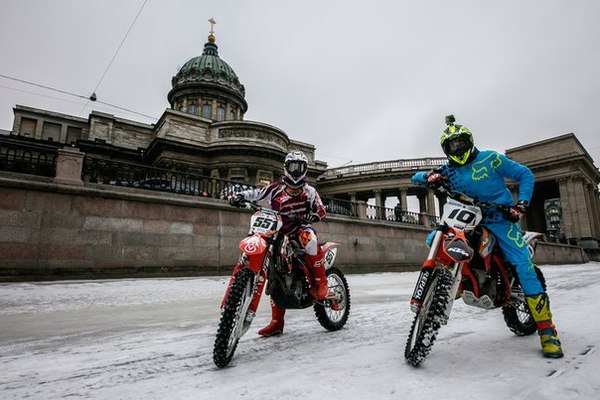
column 153, row 339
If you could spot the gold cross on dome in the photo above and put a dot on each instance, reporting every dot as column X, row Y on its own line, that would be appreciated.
column 212, row 25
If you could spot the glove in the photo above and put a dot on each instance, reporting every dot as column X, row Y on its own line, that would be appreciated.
column 435, row 178
column 237, row 200
column 312, row 218
column 514, row 213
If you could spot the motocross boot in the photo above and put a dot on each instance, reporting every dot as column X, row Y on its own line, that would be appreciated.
column 320, row 277
column 540, row 310
column 275, row 327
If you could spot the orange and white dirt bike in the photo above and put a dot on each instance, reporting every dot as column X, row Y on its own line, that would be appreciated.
column 271, row 257
column 465, row 261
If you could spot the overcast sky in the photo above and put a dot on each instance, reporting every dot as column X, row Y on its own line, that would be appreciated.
column 362, row 81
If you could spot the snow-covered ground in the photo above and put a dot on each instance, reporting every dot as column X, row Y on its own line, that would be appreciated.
column 153, row 339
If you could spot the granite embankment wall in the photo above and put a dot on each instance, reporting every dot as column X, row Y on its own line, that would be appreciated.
column 60, row 231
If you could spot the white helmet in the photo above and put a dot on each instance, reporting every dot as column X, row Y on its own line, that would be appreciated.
column 295, row 167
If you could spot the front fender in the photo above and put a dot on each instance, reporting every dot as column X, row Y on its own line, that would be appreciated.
column 254, row 247
column 458, row 249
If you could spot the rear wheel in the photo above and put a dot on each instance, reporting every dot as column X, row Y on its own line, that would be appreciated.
column 334, row 312
column 428, row 320
column 516, row 314
column 234, row 324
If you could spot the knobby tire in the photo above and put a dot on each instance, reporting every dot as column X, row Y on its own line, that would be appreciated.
column 231, row 318
column 427, row 322
column 323, row 311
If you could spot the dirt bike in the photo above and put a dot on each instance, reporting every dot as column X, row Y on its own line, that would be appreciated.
column 465, row 261
column 270, row 256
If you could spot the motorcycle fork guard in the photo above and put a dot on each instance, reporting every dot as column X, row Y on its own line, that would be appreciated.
column 259, row 284
column 421, row 288
column 427, row 270
column 236, row 269
column 456, row 276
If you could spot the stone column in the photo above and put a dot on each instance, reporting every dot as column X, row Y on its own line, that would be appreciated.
column 361, row 209
column 595, row 200
column 582, row 215
column 39, row 126
column 352, row 196
column 213, row 112
column 62, row 137
column 69, row 165
column 430, row 202
column 565, row 204
column 380, row 213
column 592, row 207
column 403, row 198
column 441, row 201
column 423, row 219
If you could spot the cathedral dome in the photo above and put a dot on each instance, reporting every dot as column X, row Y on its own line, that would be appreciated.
column 207, row 73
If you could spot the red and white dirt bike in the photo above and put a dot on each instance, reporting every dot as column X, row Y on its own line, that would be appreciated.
column 269, row 256
column 465, row 261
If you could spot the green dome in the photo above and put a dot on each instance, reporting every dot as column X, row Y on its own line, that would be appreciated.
column 208, row 68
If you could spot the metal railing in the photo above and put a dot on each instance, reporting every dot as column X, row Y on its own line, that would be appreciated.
column 380, row 166
column 139, row 176
column 341, row 207
column 397, row 215
column 27, row 158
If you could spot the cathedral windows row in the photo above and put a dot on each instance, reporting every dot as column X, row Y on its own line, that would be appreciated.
column 205, row 110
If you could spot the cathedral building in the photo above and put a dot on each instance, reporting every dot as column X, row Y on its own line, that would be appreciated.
column 202, row 133
column 202, row 144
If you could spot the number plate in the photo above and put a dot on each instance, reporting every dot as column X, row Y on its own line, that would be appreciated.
column 265, row 223
column 461, row 216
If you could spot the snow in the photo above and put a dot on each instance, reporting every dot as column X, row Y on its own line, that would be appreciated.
column 153, row 339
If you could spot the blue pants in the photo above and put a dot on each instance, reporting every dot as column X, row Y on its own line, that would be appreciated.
column 515, row 251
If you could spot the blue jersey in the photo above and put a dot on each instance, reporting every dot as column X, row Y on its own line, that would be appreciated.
column 484, row 179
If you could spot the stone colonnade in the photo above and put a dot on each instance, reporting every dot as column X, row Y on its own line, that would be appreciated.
column 426, row 198
column 580, row 203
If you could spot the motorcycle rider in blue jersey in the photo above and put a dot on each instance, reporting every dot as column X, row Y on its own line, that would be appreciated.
column 480, row 174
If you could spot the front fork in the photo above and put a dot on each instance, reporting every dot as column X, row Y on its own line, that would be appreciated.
column 257, row 289
column 456, row 279
column 425, row 278
column 424, row 281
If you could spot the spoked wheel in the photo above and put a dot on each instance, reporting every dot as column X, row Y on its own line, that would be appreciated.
column 427, row 322
column 516, row 314
column 334, row 311
column 234, row 323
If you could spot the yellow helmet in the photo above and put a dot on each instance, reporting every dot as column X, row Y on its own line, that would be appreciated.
column 457, row 142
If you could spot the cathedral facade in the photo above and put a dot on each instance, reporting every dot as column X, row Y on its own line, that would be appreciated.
column 202, row 133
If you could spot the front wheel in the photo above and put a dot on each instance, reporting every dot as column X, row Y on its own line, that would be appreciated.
column 334, row 312
column 428, row 320
column 234, row 322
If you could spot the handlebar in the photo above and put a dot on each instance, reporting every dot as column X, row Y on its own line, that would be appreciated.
column 440, row 187
column 255, row 207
